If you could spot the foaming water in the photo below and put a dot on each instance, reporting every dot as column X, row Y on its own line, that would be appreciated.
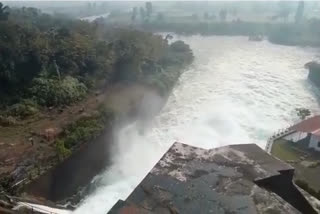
column 235, row 92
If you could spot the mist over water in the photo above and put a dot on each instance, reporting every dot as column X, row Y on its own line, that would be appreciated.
column 235, row 92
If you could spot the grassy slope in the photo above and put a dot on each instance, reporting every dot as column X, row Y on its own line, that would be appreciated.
column 288, row 152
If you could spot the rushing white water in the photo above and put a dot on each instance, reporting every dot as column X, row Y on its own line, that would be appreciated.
column 235, row 92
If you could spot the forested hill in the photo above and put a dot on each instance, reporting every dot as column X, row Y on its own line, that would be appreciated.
column 42, row 56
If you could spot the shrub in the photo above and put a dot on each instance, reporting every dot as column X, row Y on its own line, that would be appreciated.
column 179, row 53
column 180, row 46
column 53, row 92
column 82, row 130
column 24, row 108
column 106, row 114
column 62, row 151
column 85, row 128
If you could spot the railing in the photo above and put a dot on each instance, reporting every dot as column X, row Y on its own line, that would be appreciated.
column 278, row 134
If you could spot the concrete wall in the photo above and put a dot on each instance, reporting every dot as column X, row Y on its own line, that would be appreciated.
column 314, row 141
column 296, row 136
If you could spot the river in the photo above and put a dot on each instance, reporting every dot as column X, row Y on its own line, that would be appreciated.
column 236, row 91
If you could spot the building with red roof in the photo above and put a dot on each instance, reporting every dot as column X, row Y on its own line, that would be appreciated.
column 307, row 131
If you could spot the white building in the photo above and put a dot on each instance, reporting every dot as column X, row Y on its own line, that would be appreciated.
column 306, row 132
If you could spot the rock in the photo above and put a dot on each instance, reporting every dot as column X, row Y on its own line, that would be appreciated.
column 51, row 134
column 314, row 72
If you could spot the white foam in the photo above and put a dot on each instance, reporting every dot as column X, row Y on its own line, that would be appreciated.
column 236, row 91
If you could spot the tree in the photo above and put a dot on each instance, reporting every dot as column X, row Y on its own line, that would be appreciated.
column 142, row 13
column 149, row 9
column 134, row 14
column 299, row 12
column 223, row 15
column 4, row 12
column 303, row 113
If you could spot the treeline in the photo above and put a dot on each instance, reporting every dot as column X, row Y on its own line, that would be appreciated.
column 208, row 28
column 286, row 26
column 52, row 61
column 314, row 72
column 304, row 34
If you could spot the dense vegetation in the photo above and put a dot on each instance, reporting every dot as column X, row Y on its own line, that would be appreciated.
column 307, row 33
column 54, row 61
column 51, row 62
column 286, row 24
column 48, row 63
column 314, row 72
column 82, row 130
column 209, row 28
column 280, row 33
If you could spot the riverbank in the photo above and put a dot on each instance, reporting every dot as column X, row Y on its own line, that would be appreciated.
column 289, row 34
column 283, row 33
